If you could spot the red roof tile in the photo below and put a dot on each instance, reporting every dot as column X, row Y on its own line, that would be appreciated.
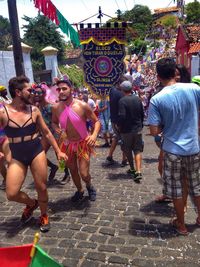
column 192, row 32
column 166, row 10
column 194, row 48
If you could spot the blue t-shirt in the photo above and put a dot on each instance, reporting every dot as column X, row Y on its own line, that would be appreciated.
column 176, row 110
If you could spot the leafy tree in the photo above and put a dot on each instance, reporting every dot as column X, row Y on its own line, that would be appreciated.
column 169, row 21
column 74, row 73
column 39, row 33
column 5, row 33
column 193, row 12
column 141, row 19
column 138, row 46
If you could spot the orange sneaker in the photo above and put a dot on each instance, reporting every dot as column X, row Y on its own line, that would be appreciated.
column 28, row 212
column 44, row 223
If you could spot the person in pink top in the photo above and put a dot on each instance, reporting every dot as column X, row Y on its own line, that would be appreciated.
column 69, row 119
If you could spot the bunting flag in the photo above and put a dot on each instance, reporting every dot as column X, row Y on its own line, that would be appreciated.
column 50, row 11
column 103, row 51
column 19, row 256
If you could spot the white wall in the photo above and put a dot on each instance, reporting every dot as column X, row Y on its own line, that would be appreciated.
column 7, row 67
column 195, row 65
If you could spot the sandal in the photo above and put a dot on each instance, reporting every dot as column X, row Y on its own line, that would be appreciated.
column 175, row 224
column 162, row 199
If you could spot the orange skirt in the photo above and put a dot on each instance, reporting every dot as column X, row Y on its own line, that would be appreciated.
column 80, row 148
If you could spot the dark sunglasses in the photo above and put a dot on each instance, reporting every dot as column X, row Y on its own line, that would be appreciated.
column 32, row 91
column 61, row 88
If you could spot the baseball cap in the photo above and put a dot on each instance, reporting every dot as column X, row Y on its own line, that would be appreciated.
column 126, row 86
column 196, row 79
column 2, row 88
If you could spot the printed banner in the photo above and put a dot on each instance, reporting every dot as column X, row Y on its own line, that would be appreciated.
column 103, row 53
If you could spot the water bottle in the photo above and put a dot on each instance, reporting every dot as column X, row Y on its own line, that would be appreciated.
column 61, row 165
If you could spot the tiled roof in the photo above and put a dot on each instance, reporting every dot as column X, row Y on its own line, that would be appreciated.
column 73, row 53
column 194, row 48
column 192, row 32
column 166, row 10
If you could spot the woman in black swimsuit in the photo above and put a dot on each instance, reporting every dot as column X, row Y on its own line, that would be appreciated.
column 21, row 123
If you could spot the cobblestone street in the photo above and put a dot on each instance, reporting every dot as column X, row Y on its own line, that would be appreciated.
column 124, row 227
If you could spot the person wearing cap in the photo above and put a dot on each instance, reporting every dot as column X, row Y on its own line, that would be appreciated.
column 196, row 79
column 131, row 116
column 4, row 95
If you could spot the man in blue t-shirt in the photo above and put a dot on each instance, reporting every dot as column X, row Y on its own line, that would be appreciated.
column 174, row 112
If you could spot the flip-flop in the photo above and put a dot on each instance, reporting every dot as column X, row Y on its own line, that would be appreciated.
column 162, row 199
column 174, row 224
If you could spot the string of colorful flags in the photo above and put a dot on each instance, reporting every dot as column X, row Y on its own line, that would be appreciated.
column 49, row 10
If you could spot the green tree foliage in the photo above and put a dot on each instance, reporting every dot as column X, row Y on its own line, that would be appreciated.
column 141, row 19
column 5, row 33
column 193, row 12
column 39, row 33
column 137, row 46
column 169, row 21
column 74, row 73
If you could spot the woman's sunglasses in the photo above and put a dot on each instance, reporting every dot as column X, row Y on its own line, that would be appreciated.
column 32, row 91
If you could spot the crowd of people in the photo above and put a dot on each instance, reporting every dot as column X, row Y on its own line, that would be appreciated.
column 30, row 124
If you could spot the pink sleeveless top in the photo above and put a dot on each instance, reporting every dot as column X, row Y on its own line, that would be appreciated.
column 78, row 123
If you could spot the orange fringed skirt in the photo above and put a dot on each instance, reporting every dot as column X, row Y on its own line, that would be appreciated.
column 80, row 148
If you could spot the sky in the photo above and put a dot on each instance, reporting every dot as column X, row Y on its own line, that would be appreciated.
column 77, row 10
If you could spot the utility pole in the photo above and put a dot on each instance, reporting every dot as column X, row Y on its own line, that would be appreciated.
column 17, row 49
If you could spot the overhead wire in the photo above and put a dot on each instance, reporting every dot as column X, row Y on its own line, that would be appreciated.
column 170, row 3
column 84, row 5
column 117, row 4
column 125, row 4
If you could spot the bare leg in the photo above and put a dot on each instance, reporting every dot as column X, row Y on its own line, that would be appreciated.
column 129, row 155
column 3, row 169
column 113, row 147
column 84, row 166
column 179, row 209
column 73, row 167
column 39, row 172
column 124, row 156
column 197, row 203
column 15, row 178
column 138, row 162
column 185, row 192
column 105, row 136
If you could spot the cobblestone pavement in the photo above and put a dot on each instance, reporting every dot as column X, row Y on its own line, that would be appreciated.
column 124, row 227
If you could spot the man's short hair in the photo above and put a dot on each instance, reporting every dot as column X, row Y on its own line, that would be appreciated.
column 17, row 83
column 166, row 68
column 68, row 82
